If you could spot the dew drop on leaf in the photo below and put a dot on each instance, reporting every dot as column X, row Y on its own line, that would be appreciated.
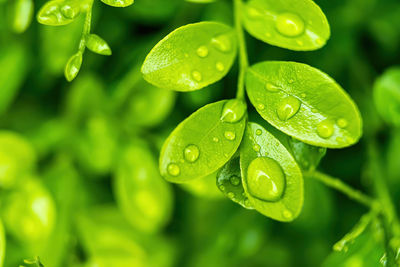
column 287, row 214
column 288, row 108
column 266, row 180
column 70, row 11
column 191, row 153
column 173, row 169
column 325, row 129
column 233, row 110
column 202, row 51
column 289, row 24
column 342, row 123
column 256, row 147
column 272, row 88
column 261, row 106
column 196, row 75
column 231, row 195
column 252, row 12
column 215, row 139
column 222, row 43
column 230, row 135
column 258, row 132
column 235, row 180
column 220, row 66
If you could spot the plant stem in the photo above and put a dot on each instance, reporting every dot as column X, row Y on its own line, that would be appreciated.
column 344, row 188
column 86, row 26
column 243, row 60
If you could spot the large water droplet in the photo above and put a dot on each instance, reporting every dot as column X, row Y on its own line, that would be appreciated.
column 325, row 129
column 230, row 135
column 265, row 179
column 220, row 66
column 222, row 43
column 289, row 24
column 272, row 88
column 342, row 123
column 235, row 180
column 191, row 153
column 233, row 110
column 173, row 169
column 288, row 108
column 196, row 75
column 202, row 51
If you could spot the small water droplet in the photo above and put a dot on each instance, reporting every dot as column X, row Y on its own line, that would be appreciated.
column 325, row 129
column 202, row 51
column 230, row 135
column 222, row 43
column 247, row 202
column 288, row 108
column 231, row 195
column 299, row 42
column 191, row 153
column 220, row 66
column 252, row 12
column 342, row 123
column 289, row 24
column 173, row 169
column 272, row 88
column 233, row 110
column 258, row 132
column 260, row 106
column 303, row 95
column 267, row 34
column 257, row 147
column 226, row 155
column 215, row 139
column 196, row 75
column 222, row 188
column 265, row 179
column 235, row 180
column 287, row 214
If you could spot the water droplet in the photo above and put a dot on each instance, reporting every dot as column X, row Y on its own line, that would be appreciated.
column 247, row 202
column 325, row 129
column 291, row 81
column 196, row 75
column 230, row 135
column 222, row 188
column 265, row 179
column 287, row 214
column 252, row 12
column 235, row 180
column 303, row 95
column 299, row 42
column 342, row 123
column 215, row 139
column 233, row 110
column 289, row 24
column 258, row 132
column 257, row 147
column 220, row 66
column 272, row 88
column 202, row 51
column 267, row 34
column 261, row 106
column 70, row 11
column 222, row 43
column 173, row 169
column 231, row 195
column 288, row 108
column 191, row 153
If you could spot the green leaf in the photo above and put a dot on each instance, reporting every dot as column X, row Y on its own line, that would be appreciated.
column 387, row 95
column 59, row 12
column 305, row 103
column 23, row 12
column 2, row 243
column 229, row 181
column 202, row 143
column 201, row 1
column 73, row 66
column 143, row 196
column 97, row 45
column 203, row 187
column 191, row 57
column 307, row 156
column 292, row 24
column 271, row 177
column 118, row 3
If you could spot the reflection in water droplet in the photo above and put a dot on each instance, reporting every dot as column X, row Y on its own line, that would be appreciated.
column 260, row 106
column 196, row 75
column 289, row 24
column 272, row 88
column 191, row 153
column 325, row 129
column 288, row 108
column 258, row 132
column 215, row 139
column 222, row 43
column 230, row 135
column 342, row 123
column 287, row 214
column 266, row 180
column 235, row 180
column 173, row 169
column 220, row 66
column 233, row 110
column 257, row 147
column 202, row 51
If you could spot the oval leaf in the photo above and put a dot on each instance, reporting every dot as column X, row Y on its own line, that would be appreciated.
column 191, row 57
column 387, row 96
column 59, row 12
column 229, row 181
column 259, row 146
column 118, row 3
column 97, row 45
column 305, row 103
column 292, row 24
column 201, row 144
column 73, row 66
column 23, row 11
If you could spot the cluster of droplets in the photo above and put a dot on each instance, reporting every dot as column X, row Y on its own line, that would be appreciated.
column 223, row 44
column 59, row 12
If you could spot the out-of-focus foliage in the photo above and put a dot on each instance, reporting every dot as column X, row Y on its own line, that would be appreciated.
column 79, row 184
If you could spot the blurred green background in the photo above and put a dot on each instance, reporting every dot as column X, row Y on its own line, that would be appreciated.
column 79, row 182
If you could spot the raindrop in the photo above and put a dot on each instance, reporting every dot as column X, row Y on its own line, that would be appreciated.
column 272, row 88
column 220, row 66
column 215, row 139
column 233, row 110
column 288, row 108
column 287, row 214
column 191, row 153
column 202, row 51
column 173, row 169
column 196, row 75
column 258, row 132
column 261, row 106
column 257, row 147
column 222, row 43
column 342, row 123
column 235, row 180
column 230, row 135
column 231, row 195
column 252, row 12
column 325, row 129
column 289, row 24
